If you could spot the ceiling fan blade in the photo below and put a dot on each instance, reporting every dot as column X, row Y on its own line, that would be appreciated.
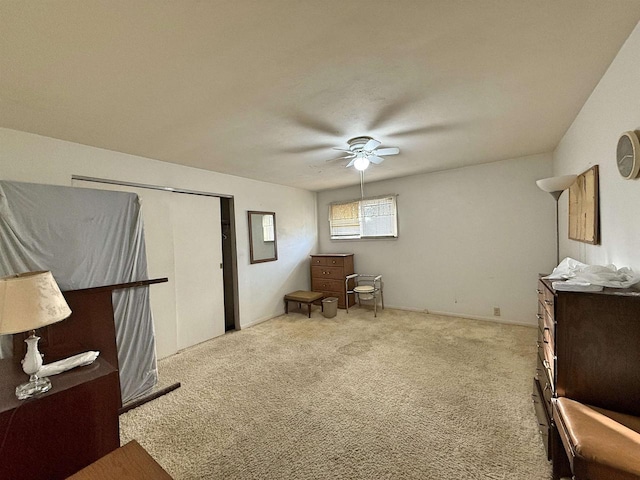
column 387, row 151
column 392, row 111
column 306, row 149
column 341, row 158
column 342, row 149
column 351, row 162
column 314, row 124
column 427, row 129
column 375, row 159
column 371, row 145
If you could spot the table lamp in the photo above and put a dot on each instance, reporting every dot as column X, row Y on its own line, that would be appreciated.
column 29, row 301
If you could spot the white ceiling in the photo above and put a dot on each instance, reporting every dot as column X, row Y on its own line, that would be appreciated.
column 264, row 88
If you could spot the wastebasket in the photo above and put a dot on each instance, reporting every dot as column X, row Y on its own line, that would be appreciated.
column 330, row 307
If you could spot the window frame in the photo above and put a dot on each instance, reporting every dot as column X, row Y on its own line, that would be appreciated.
column 360, row 223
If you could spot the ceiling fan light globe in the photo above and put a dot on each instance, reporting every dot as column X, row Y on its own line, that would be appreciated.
column 361, row 163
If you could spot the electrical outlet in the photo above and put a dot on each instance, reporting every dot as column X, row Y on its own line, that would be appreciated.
column 496, row 311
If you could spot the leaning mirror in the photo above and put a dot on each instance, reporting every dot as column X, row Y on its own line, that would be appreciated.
column 262, row 237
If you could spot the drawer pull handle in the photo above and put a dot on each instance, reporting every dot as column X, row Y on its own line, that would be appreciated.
column 538, row 316
column 548, row 302
column 539, row 291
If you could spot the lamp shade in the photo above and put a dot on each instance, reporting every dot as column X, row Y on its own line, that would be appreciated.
column 29, row 301
column 556, row 184
column 361, row 163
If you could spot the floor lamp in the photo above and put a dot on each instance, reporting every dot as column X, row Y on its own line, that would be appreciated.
column 555, row 186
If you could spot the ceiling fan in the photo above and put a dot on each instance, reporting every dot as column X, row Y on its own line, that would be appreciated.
column 364, row 150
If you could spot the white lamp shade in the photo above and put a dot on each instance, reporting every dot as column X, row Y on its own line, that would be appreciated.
column 29, row 301
column 556, row 184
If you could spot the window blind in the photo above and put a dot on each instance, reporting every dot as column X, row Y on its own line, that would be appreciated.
column 366, row 218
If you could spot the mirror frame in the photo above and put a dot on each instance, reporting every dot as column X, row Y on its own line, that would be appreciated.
column 252, row 259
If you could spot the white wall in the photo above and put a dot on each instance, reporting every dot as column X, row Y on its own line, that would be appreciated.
column 469, row 239
column 613, row 108
column 32, row 158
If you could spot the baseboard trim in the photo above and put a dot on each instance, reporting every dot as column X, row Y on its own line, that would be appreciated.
column 256, row 322
column 463, row 315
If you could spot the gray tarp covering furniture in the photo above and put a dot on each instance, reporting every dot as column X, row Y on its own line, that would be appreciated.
column 86, row 238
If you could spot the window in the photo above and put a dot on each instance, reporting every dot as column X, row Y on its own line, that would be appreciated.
column 366, row 218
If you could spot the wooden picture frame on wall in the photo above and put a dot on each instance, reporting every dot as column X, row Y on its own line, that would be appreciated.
column 584, row 211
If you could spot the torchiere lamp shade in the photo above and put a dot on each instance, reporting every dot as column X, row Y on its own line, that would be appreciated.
column 29, row 301
column 556, row 184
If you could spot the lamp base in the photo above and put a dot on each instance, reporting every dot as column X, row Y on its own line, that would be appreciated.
column 35, row 386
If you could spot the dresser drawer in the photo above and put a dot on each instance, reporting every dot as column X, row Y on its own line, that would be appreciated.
column 327, row 285
column 543, row 361
column 335, row 261
column 545, row 329
column 549, row 364
column 542, row 376
column 544, row 421
column 548, row 331
column 546, row 298
column 324, row 272
column 330, row 261
column 540, row 290
column 540, row 317
column 318, row 260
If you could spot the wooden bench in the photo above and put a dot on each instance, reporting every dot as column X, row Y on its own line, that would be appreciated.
column 302, row 296
column 600, row 444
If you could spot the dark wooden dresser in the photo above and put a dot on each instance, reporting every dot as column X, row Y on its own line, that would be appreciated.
column 589, row 351
column 53, row 435
column 328, row 274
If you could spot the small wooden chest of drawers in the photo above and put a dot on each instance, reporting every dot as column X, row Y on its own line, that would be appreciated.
column 328, row 274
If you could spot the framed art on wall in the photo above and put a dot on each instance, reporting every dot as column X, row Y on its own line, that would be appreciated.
column 584, row 215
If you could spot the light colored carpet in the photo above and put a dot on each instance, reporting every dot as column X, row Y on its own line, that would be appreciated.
column 402, row 396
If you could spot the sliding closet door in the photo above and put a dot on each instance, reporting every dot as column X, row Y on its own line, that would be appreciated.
column 156, row 217
column 184, row 243
column 197, row 240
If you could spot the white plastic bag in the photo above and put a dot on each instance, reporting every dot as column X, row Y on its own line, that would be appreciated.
column 579, row 274
column 60, row 366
